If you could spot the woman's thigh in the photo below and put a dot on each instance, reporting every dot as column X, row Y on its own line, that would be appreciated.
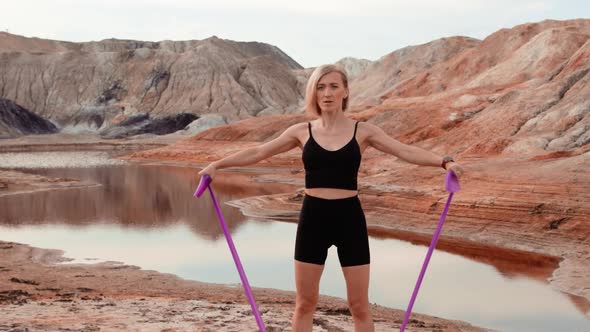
column 307, row 280
column 357, row 283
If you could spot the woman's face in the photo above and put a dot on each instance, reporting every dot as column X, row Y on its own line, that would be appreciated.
column 330, row 92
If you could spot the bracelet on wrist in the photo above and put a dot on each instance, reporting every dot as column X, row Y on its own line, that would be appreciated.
column 445, row 161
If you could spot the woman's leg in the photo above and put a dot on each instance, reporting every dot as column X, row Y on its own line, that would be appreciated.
column 355, row 259
column 357, row 289
column 307, row 283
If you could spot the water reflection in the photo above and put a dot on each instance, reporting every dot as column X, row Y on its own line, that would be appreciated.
column 508, row 262
column 133, row 196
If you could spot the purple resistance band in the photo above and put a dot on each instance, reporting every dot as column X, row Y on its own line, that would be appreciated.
column 206, row 184
column 452, row 186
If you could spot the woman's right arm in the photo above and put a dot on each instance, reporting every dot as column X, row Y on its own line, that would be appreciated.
column 285, row 142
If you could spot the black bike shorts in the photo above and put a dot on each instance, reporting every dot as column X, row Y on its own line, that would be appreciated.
column 326, row 222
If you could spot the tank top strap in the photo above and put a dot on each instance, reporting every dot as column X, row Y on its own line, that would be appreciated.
column 309, row 127
column 355, row 126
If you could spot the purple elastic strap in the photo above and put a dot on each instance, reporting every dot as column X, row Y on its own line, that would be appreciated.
column 206, row 184
column 452, row 186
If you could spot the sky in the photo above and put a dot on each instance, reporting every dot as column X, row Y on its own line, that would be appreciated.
column 312, row 32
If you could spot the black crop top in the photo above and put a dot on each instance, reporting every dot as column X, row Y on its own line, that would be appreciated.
column 331, row 169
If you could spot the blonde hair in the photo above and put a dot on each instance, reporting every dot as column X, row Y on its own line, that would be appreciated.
column 311, row 100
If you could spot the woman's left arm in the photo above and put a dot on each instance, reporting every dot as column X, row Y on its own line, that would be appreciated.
column 379, row 139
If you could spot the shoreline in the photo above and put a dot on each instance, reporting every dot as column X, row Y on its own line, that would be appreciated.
column 563, row 268
column 382, row 201
column 514, row 206
column 37, row 294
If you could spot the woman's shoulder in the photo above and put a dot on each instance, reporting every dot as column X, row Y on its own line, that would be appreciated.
column 367, row 127
column 297, row 129
column 299, row 126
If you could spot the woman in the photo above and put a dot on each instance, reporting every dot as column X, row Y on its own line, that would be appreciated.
column 331, row 213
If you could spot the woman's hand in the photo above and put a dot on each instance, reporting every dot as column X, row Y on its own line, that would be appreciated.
column 456, row 168
column 210, row 170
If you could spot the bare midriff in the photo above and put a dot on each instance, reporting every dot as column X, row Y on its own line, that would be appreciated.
column 330, row 193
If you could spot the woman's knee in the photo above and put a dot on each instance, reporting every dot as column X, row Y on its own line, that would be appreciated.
column 359, row 309
column 306, row 303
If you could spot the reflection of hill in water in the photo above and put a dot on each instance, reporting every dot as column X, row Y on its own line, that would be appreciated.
column 134, row 196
